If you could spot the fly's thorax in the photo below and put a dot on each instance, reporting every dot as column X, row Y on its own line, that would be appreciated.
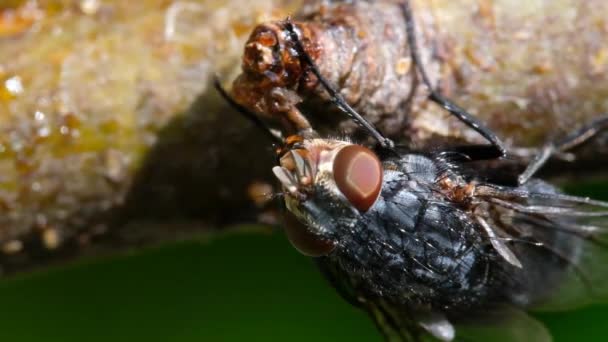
column 327, row 182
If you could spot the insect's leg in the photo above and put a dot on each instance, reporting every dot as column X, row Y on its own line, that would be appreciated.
column 334, row 94
column 272, row 135
column 285, row 104
column 477, row 152
column 393, row 322
column 460, row 113
column 571, row 141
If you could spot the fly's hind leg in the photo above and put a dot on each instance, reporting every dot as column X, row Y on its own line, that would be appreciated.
column 460, row 113
column 496, row 149
column 273, row 136
column 572, row 140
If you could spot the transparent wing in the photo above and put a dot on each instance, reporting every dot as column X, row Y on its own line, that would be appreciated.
column 502, row 324
column 586, row 280
column 505, row 325
column 564, row 242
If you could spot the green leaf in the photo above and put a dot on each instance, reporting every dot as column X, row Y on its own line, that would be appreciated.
column 235, row 287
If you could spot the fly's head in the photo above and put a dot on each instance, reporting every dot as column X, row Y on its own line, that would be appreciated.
column 328, row 184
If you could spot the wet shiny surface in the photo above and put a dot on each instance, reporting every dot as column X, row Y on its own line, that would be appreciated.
column 86, row 87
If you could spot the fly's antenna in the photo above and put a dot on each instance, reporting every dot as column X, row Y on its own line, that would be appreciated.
column 460, row 113
column 251, row 116
column 336, row 97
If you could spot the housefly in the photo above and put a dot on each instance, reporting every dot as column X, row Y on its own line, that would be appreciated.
column 425, row 242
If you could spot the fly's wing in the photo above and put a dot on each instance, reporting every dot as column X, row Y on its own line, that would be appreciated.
column 585, row 280
column 505, row 325
column 572, row 232
column 562, row 243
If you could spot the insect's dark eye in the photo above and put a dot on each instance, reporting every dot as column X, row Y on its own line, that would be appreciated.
column 305, row 241
column 358, row 175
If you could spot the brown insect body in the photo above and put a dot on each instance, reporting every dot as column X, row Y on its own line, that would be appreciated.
column 347, row 42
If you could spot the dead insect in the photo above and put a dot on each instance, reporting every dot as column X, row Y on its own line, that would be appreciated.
column 347, row 40
column 427, row 243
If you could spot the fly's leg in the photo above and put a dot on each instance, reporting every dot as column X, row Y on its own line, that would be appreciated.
column 498, row 149
column 392, row 326
column 460, row 113
column 334, row 94
column 273, row 136
column 569, row 142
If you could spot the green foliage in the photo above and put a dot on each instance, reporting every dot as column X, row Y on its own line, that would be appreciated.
column 242, row 287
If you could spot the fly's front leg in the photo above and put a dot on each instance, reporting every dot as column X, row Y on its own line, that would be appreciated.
column 334, row 94
column 572, row 140
column 283, row 105
column 275, row 137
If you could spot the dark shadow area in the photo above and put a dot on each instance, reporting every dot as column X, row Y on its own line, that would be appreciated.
column 194, row 179
column 201, row 167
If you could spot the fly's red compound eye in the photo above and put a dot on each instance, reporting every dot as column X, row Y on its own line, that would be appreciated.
column 358, row 175
column 303, row 240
